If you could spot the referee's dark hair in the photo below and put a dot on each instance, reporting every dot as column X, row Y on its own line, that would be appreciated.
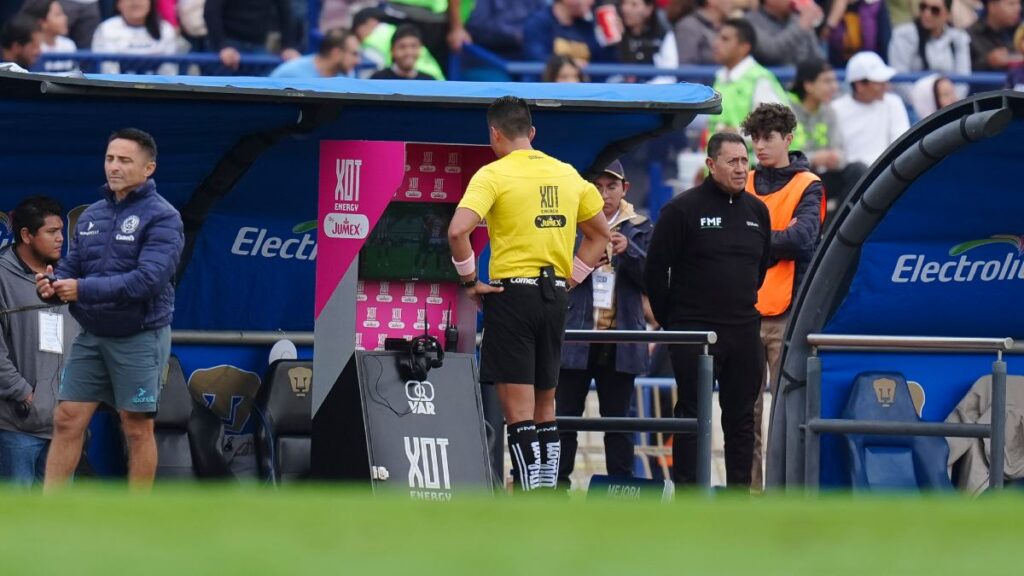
column 716, row 141
column 510, row 116
column 31, row 213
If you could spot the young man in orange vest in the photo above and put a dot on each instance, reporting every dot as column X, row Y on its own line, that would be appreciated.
column 796, row 201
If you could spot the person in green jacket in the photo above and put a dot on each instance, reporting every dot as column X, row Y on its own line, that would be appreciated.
column 440, row 21
column 375, row 36
column 742, row 82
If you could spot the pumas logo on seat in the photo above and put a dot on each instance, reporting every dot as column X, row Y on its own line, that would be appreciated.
column 711, row 222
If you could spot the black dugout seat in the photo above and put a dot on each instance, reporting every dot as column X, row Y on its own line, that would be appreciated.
column 284, row 423
column 188, row 435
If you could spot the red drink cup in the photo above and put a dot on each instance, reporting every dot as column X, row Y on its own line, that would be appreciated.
column 609, row 31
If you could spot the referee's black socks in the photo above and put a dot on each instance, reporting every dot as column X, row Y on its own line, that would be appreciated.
column 550, row 453
column 524, row 448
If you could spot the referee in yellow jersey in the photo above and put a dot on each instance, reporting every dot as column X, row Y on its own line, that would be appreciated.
column 533, row 205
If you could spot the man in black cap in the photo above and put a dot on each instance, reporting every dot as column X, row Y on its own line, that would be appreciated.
column 610, row 298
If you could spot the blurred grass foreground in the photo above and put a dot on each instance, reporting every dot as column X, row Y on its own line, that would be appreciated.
column 181, row 530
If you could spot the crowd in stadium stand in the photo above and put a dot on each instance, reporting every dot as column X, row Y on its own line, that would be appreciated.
column 746, row 39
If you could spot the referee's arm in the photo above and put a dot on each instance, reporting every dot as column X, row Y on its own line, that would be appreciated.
column 596, row 237
column 463, row 223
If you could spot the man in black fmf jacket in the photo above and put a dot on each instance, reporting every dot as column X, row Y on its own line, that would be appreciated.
column 708, row 256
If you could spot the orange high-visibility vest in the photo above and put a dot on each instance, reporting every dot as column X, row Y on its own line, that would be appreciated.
column 776, row 292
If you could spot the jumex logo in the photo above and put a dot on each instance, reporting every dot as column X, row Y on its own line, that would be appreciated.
column 959, row 268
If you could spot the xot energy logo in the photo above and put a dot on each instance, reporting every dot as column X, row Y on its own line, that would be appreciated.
column 259, row 242
column 913, row 268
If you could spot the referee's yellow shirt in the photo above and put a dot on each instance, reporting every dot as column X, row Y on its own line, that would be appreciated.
column 532, row 203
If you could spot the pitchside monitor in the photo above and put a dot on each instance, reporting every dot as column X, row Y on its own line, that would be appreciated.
column 410, row 242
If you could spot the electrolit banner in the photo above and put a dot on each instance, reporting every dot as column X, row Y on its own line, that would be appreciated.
column 266, row 266
column 964, row 288
column 937, row 384
column 947, row 259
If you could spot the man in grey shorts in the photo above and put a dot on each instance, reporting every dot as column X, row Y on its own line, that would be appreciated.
column 117, row 276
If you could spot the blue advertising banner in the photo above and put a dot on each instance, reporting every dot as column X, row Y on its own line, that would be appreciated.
column 948, row 259
column 264, row 267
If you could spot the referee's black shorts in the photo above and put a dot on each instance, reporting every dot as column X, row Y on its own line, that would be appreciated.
column 523, row 334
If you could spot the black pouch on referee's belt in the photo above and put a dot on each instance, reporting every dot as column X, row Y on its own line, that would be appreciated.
column 547, row 283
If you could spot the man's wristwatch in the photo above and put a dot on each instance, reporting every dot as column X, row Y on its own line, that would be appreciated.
column 468, row 283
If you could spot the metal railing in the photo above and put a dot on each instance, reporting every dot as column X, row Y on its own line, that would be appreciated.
column 195, row 63
column 701, row 425
column 696, row 73
column 816, row 425
column 209, row 64
column 239, row 337
column 203, row 63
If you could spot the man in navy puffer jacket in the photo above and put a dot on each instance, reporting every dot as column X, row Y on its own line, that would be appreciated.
column 117, row 276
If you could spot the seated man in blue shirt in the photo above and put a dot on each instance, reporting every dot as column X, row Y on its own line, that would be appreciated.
column 566, row 29
column 338, row 55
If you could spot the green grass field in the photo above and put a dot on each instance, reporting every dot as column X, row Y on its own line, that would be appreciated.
column 204, row 530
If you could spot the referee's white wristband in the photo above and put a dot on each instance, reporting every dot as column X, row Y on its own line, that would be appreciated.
column 467, row 266
column 580, row 270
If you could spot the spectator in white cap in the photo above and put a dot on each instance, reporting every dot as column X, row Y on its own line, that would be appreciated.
column 869, row 117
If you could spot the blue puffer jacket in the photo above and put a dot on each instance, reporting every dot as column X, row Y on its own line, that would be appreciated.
column 124, row 255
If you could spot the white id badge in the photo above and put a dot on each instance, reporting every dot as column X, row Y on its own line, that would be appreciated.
column 604, row 286
column 51, row 332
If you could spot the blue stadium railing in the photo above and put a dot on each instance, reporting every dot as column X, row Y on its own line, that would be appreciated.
column 473, row 56
column 205, row 64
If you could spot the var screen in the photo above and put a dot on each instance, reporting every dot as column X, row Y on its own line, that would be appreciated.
column 410, row 242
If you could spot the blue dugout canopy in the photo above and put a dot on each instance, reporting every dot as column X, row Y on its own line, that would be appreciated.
column 929, row 243
column 238, row 157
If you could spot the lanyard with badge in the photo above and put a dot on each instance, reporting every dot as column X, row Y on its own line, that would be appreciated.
column 51, row 332
column 603, row 282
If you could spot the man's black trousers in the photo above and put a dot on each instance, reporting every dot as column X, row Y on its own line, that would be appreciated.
column 614, row 394
column 739, row 370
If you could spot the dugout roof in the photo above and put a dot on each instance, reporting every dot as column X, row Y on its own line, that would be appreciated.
column 238, row 156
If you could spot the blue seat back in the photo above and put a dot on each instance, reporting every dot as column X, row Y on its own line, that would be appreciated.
column 878, row 462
